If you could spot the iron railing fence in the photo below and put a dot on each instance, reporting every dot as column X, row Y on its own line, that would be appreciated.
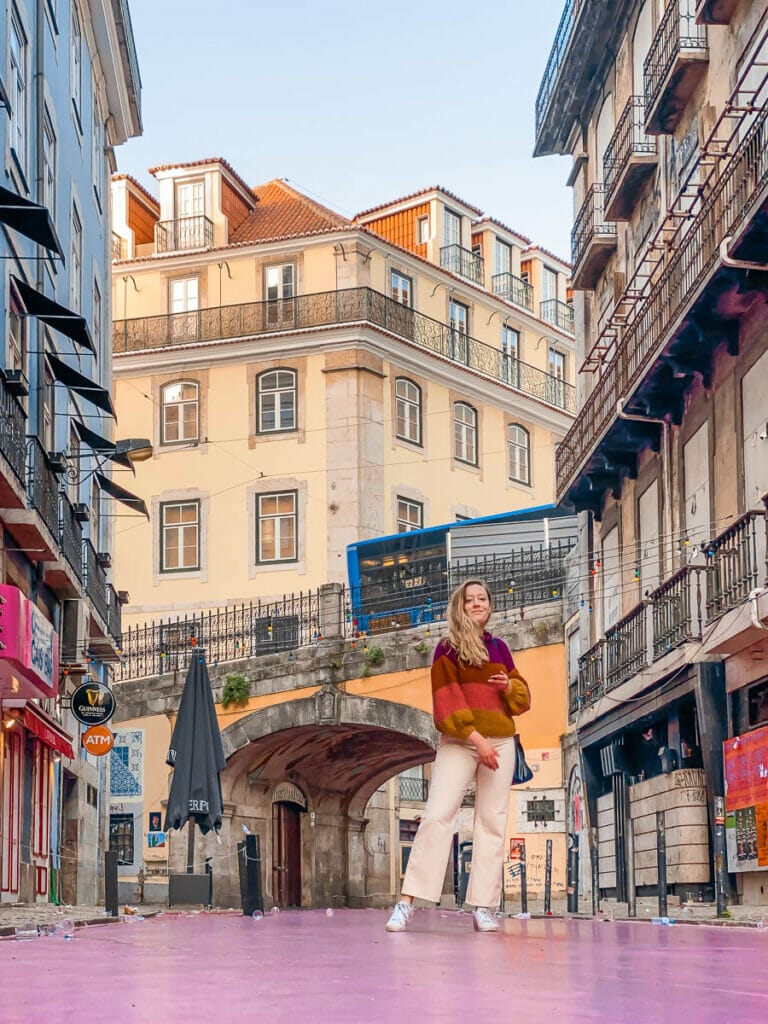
column 590, row 223
column 592, row 674
column 119, row 247
column 557, row 313
column 70, row 536
column 625, row 647
column 734, row 568
column 114, row 615
column 13, row 433
column 463, row 262
column 43, row 486
column 677, row 610
column 628, row 140
column 413, row 790
column 95, row 579
column 729, row 202
column 349, row 305
column 513, row 289
column 678, row 31
column 556, row 58
column 184, row 233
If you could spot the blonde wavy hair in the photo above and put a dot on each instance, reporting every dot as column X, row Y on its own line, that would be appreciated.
column 462, row 633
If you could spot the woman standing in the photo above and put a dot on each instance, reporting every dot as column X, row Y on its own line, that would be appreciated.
column 476, row 690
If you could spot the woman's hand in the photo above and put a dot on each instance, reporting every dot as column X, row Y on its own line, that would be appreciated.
column 500, row 681
column 485, row 750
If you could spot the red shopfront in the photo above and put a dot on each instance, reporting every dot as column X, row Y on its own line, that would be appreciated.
column 30, row 741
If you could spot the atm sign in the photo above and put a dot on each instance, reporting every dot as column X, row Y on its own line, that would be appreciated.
column 99, row 739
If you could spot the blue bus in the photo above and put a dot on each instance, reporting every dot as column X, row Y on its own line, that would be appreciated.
column 404, row 579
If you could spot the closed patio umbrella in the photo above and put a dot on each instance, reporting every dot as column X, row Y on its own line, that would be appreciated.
column 196, row 755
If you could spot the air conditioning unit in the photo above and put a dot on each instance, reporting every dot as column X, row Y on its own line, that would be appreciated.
column 17, row 382
column 81, row 512
column 104, row 559
column 57, row 462
column 73, row 632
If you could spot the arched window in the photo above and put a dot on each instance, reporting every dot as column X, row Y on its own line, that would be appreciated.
column 465, row 433
column 407, row 410
column 519, row 444
column 180, row 412
column 276, row 401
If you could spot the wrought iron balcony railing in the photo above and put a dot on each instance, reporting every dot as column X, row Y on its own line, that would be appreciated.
column 727, row 203
column 513, row 289
column 557, row 313
column 462, row 262
column 677, row 610
column 70, row 536
column 674, row 64
column 13, row 433
column 734, row 568
column 350, row 305
column 413, row 790
column 625, row 647
column 629, row 159
column 43, row 487
column 114, row 615
column 95, row 581
column 591, row 684
column 556, row 58
column 184, row 233
column 593, row 239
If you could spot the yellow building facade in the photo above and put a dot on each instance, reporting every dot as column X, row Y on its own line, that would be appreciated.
column 308, row 381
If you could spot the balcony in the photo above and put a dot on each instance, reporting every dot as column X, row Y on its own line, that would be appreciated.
column 513, row 289
column 413, row 790
column 715, row 12
column 183, row 233
column 462, row 262
column 674, row 66
column 65, row 575
column 95, row 579
column 735, row 567
column 13, row 449
column 592, row 673
column 557, row 313
column 630, row 160
column 625, row 647
column 114, row 615
column 593, row 240
column 351, row 305
column 119, row 247
column 677, row 611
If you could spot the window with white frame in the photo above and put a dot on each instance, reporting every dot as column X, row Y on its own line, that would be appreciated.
column 465, row 433
column 556, row 382
column 407, row 410
column 49, row 410
column 410, row 515
column 184, row 294
column 16, row 349
column 95, row 522
column 18, row 87
column 180, row 536
column 510, row 355
column 49, row 165
column 451, row 228
column 401, row 288
column 548, row 284
column 276, row 401
column 277, row 527
column 519, row 445
column 503, row 257
column 97, row 154
column 180, row 412
column 279, row 281
column 458, row 315
column 76, row 64
column 190, row 199
column 76, row 261
column 97, row 317
column 422, row 230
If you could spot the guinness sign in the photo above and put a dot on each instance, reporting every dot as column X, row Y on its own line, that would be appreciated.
column 93, row 704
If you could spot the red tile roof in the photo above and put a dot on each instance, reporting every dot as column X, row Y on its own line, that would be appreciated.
column 548, row 252
column 203, row 163
column 146, row 195
column 282, row 211
column 505, row 227
column 414, row 195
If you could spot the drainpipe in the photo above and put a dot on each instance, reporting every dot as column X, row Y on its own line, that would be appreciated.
column 39, row 180
column 666, row 458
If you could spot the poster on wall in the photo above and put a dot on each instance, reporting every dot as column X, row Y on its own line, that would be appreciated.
column 746, row 800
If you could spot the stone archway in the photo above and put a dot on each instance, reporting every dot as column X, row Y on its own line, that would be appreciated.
column 338, row 748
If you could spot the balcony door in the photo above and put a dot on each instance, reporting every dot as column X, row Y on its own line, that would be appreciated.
column 648, row 563
column 610, row 574
column 189, row 227
column 697, row 518
column 451, row 228
column 459, row 323
column 184, row 302
column 754, row 388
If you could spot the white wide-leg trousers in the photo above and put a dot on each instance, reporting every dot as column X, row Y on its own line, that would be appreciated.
column 456, row 764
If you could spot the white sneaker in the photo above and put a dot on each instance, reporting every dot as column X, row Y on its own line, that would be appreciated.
column 400, row 916
column 484, row 921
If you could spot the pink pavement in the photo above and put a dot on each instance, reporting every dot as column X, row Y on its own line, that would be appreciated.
column 305, row 966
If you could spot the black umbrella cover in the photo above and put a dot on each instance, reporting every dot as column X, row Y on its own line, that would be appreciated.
column 196, row 755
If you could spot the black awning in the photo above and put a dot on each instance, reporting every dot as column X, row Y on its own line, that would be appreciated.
column 120, row 494
column 52, row 313
column 102, row 446
column 29, row 219
column 80, row 384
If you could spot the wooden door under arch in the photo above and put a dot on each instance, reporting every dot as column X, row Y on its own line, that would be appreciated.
column 286, row 854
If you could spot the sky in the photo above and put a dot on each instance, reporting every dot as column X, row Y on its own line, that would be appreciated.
column 355, row 102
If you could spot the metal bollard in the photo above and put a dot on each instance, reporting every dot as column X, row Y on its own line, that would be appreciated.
column 523, row 882
column 251, row 895
column 548, row 879
column 631, row 889
column 661, row 861
column 572, row 880
column 595, row 874
column 720, row 855
column 110, row 883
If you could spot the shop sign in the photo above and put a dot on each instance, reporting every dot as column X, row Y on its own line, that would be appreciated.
column 93, row 703
column 287, row 792
column 98, row 740
column 29, row 652
column 746, row 800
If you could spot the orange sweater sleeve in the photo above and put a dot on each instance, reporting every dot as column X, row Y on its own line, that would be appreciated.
column 452, row 714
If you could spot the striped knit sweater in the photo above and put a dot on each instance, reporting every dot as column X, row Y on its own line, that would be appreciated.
column 465, row 700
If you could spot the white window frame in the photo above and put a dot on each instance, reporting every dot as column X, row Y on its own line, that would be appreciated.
column 97, row 153
column 18, row 87
column 548, row 283
column 407, row 410
column 510, row 355
column 50, row 157
column 422, row 230
column 279, row 519
column 76, row 65
column 97, row 314
column 410, row 514
column 181, row 404
column 502, row 256
column 556, row 379
column 16, row 344
column 76, row 259
column 519, row 453
column 49, row 411
column 286, row 396
column 184, row 299
column 180, row 528
column 401, row 288
column 451, row 227
column 465, row 433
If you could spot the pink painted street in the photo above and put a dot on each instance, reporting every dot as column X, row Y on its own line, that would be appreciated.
column 308, row 966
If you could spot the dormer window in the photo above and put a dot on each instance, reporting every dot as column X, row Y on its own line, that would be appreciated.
column 422, row 230
column 190, row 199
column 451, row 228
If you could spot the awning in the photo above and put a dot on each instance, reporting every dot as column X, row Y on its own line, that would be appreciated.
column 120, row 494
column 46, row 729
column 80, row 384
column 29, row 219
column 101, row 446
column 55, row 315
